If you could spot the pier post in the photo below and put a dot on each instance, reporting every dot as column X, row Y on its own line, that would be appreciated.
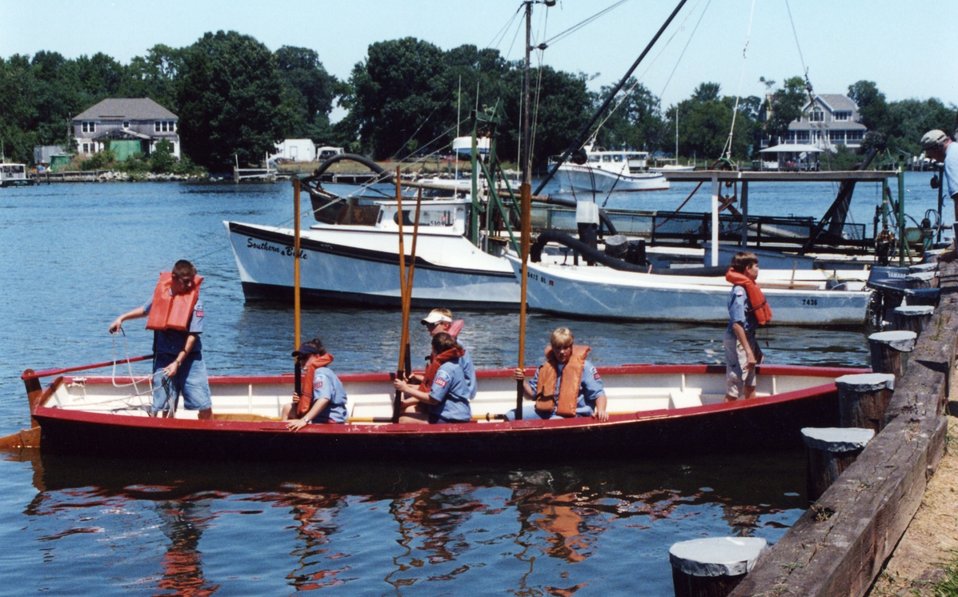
column 712, row 567
column 863, row 399
column 912, row 318
column 887, row 349
column 829, row 451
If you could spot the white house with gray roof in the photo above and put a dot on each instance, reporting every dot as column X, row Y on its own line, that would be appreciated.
column 830, row 120
column 128, row 126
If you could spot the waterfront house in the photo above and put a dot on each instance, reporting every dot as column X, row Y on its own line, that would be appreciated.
column 127, row 126
column 828, row 121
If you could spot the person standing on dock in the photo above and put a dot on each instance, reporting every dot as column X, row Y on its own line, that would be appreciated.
column 747, row 309
column 175, row 314
column 939, row 147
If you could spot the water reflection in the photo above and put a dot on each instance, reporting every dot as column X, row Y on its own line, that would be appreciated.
column 204, row 528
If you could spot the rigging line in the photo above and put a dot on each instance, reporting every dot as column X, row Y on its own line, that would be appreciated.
column 727, row 153
column 688, row 42
column 798, row 46
column 639, row 79
column 583, row 23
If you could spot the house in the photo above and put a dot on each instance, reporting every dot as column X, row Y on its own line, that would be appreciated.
column 128, row 126
column 828, row 121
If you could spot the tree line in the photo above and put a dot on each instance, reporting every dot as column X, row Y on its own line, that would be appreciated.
column 408, row 96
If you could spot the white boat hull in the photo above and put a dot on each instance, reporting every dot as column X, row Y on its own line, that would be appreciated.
column 601, row 292
column 360, row 265
column 592, row 179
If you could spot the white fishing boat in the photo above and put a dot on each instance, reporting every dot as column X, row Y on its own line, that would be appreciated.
column 800, row 297
column 359, row 263
column 608, row 171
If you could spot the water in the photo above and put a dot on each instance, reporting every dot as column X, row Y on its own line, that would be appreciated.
column 75, row 256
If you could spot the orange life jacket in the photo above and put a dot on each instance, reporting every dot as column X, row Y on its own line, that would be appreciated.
column 430, row 374
column 756, row 298
column 314, row 362
column 172, row 311
column 568, row 397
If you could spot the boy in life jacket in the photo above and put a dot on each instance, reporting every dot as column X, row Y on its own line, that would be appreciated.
column 566, row 385
column 443, row 390
column 175, row 314
column 747, row 310
column 323, row 397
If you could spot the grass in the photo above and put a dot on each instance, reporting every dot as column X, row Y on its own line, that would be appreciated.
column 948, row 586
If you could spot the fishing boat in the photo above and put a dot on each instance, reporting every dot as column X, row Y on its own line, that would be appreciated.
column 358, row 263
column 604, row 171
column 800, row 297
column 653, row 409
column 14, row 175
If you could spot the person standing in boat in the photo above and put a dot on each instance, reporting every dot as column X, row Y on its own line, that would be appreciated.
column 441, row 320
column 566, row 385
column 747, row 310
column 175, row 314
column 323, row 397
column 444, row 390
column 939, row 147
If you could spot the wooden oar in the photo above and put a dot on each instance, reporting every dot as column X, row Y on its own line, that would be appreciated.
column 297, row 321
column 404, row 332
column 525, row 192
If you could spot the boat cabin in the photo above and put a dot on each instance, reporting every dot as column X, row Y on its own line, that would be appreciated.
column 14, row 175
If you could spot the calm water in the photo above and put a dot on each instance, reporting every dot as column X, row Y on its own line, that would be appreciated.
column 74, row 256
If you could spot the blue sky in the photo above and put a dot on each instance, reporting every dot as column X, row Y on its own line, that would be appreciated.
column 906, row 48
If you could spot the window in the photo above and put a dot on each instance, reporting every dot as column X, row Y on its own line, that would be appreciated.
column 126, row 124
column 855, row 136
column 164, row 126
column 843, row 115
column 88, row 127
column 836, row 136
column 801, row 137
column 816, row 115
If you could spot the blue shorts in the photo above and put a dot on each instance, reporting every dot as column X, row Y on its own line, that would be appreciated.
column 191, row 380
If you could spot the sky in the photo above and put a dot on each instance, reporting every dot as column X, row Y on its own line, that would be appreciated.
column 900, row 46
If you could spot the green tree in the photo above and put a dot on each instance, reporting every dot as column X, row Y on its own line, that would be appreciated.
column 308, row 92
column 785, row 105
column 155, row 75
column 635, row 121
column 706, row 121
column 872, row 107
column 228, row 96
column 396, row 96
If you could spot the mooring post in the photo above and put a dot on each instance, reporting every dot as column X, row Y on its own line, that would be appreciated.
column 829, row 451
column 712, row 567
column 912, row 318
column 863, row 399
column 887, row 349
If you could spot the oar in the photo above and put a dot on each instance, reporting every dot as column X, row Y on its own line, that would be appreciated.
column 410, row 275
column 297, row 321
column 404, row 333
column 526, row 198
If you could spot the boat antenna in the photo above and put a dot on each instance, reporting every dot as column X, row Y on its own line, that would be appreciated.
column 577, row 142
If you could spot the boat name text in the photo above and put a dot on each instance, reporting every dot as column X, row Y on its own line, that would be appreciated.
column 285, row 250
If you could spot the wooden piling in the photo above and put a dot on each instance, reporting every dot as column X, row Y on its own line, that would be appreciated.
column 912, row 318
column 888, row 350
column 829, row 451
column 863, row 399
column 712, row 567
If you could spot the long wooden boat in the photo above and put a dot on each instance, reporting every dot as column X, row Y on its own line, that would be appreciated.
column 653, row 409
